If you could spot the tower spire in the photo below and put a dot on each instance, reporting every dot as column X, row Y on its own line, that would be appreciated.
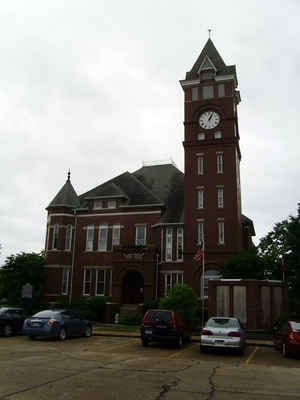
column 209, row 31
column 69, row 175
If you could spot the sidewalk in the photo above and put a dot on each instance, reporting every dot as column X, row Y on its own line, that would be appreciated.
column 99, row 330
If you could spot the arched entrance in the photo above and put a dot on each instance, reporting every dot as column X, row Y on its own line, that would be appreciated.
column 133, row 288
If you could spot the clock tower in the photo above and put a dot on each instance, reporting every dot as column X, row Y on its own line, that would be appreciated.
column 212, row 195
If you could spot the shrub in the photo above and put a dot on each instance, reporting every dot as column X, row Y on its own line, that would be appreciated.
column 148, row 305
column 131, row 320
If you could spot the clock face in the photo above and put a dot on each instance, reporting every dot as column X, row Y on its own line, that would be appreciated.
column 209, row 119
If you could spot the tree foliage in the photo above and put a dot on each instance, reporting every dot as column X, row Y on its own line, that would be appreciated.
column 245, row 265
column 284, row 241
column 18, row 270
column 181, row 298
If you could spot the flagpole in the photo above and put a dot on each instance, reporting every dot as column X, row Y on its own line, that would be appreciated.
column 202, row 292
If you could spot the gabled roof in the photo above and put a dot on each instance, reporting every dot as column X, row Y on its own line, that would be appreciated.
column 66, row 197
column 166, row 182
column 125, row 185
column 213, row 55
column 248, row 222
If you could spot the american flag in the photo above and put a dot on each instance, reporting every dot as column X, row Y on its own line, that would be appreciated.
column 199, row 254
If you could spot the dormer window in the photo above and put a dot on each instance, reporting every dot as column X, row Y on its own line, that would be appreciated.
column 98, row 204
column 111, row 204
column 207, row 75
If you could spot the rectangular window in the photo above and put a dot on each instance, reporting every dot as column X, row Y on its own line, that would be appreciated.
column 65, row 280
column 220, row 196
column 140, row 235
column 221, row 90
column 102, row 238
column 100, row 282
column 200, row 200
column 172, row 278
column 89, row 238
column 116, row 230
column 98, row 204
column 200, row 164
column 87, row 282
column 201, row 136
column 218, row 135
column 194, row 93
column 169, row 244
column 111, row 204
column 68, row 241
column 208, row 92
column 200, row 232
column 220, row 163
column 55, row 237
column 179, row 244
column 221, row 235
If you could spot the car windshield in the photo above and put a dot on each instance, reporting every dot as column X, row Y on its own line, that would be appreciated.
column 222, row 323
column 47, row 314
column 159, row 316
column 295, row 326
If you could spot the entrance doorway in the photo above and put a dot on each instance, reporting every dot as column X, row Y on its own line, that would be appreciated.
column 133, row 288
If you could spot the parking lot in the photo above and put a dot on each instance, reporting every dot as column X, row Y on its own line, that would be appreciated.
column 120, row 368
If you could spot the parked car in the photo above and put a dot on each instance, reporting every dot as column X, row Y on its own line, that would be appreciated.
column 287, row 337
column 11, row 320
column 164, row 326
column 60, row 324
column 223, row 332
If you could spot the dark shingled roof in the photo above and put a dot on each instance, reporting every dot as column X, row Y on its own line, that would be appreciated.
column 126, row 185
column 66, row 197
column 210, row 51
column 166, row 182
column 248, row 222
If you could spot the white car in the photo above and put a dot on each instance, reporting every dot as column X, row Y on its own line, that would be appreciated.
column 223, row 332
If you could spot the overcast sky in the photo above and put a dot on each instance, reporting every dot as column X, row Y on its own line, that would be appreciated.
column 93, row 85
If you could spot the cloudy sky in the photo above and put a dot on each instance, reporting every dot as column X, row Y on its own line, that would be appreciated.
column 93, row 85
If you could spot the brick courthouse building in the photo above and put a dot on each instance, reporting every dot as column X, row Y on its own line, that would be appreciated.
column 134, row 236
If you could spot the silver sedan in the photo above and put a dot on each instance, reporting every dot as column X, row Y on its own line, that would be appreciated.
column 223, row 332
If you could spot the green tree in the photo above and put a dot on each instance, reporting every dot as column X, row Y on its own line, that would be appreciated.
column 18, row 270
column 183, row 299
column 245, row 265
column 284, row 241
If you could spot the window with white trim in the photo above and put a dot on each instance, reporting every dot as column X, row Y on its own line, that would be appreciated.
column 111, row 204
column 68, row 241
column 140, row 235
column 89, row 238
column 179, row 244
column 55, row 237
column 87, row 282
column 221, row 233
column 200, row 198
column 211, row 274
column 220, row 163
column 221, row 90
column 66, row 272
column 172, row 278
column 195, row 93
column 218, row 135
column 201, row 136
column 208, row 92
column 200, row 232
column 98, row 204
column 102, row 237
column 200, row 164
column 220, row 197
column 100, row 282
column 116, row 231
column 169, row 244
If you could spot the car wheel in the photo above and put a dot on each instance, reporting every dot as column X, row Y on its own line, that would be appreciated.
column 62, row 334
column 203, row 349
column 7, row 330
column 179, row 342
column 283, row 350
column 88, row 331
column 145, row 342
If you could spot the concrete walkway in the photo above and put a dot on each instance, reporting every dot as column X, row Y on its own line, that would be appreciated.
column 99, row 330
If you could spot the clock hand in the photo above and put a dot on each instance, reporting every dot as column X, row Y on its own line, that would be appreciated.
column 211, row 114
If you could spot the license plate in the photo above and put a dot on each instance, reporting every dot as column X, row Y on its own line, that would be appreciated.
column 36, row 324
column 161, row 327
column 148, row 331
column 219, row 341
